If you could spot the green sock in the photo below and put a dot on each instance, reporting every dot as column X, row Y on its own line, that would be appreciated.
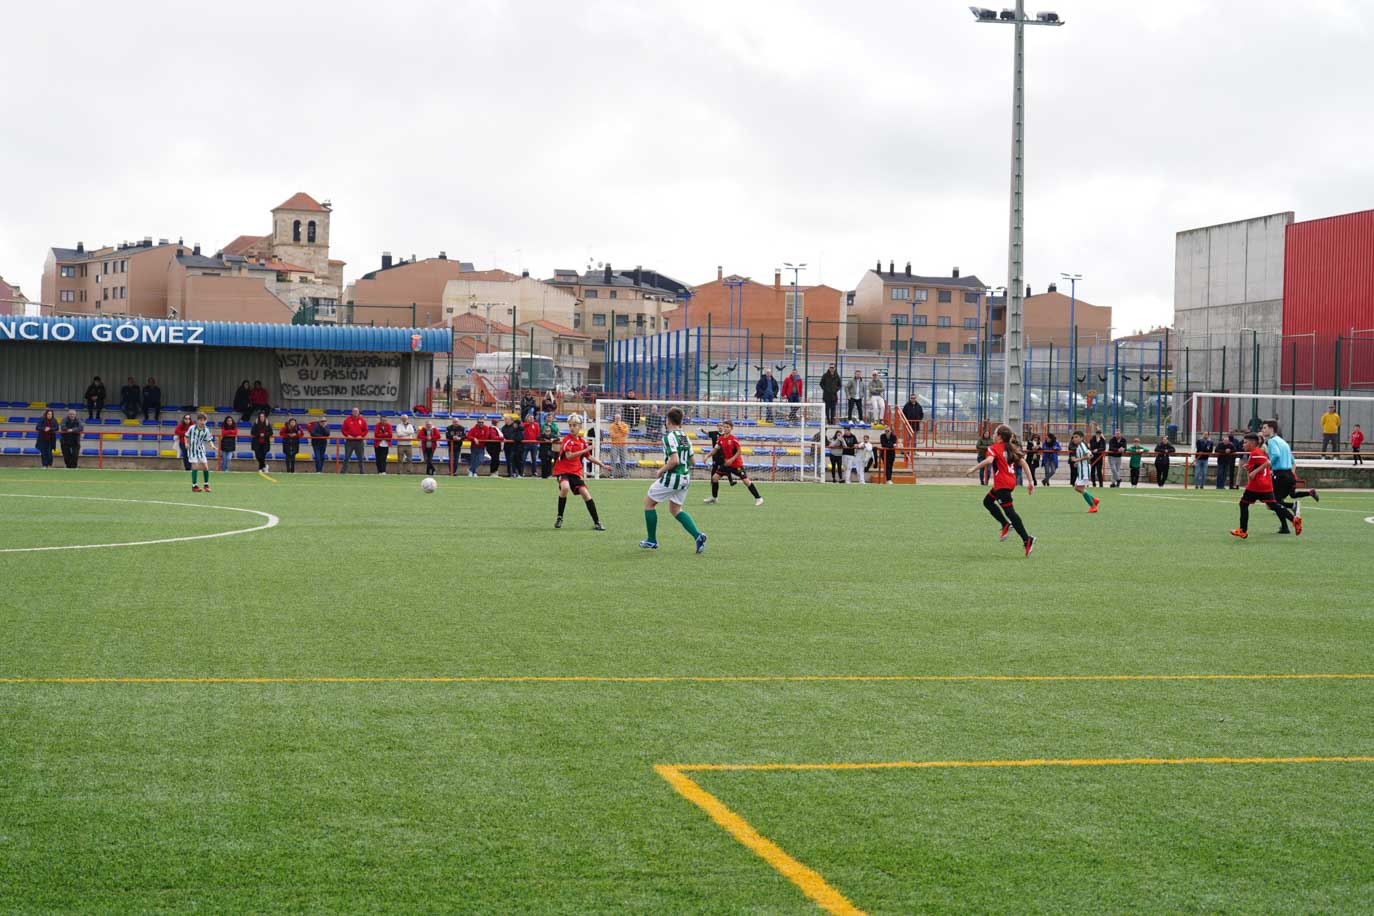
column 194, row 472
column 206, row 472
column 686, row 521
column 1087, row 497
column 651, row 524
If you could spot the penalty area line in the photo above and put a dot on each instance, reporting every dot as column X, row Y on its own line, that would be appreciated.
column 694, row 679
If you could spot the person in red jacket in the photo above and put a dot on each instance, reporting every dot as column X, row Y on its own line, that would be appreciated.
column 259, row 400
column 478, row 436
column 382, row 437
column 291, row 434
column 180, row 432
column 354, row 433
column 792, row 393
column 530, row 444
column 428, row 435
column 1356, row 440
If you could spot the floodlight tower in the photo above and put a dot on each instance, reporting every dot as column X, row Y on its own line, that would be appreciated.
column 1013, row 391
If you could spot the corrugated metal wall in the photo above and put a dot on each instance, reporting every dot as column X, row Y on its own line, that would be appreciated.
column 1328, row 285
column 36, row 371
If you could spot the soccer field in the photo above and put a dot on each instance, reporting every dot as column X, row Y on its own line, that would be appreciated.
column 393, row 701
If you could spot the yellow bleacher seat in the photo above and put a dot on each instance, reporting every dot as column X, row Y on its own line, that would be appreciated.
column 168, row 453
column 40, row 405
column 794, row 451
column 108, row 436
column 315, row 412
column 206, row 410
column 131, row 422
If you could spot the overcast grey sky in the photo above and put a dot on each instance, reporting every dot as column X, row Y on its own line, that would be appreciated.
column 684, row 135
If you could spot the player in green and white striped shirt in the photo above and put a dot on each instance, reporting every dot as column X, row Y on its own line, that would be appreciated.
column 198, row 441
column 671, row 484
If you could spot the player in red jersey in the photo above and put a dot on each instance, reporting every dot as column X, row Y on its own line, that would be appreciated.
column 567, row 470
column 727, row 461
column 1004, row 455
column 1259, row 488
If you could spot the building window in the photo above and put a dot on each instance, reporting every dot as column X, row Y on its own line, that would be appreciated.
column 591, row 294
column 921, row 321
column 899, row 345
column 902, row 293
column 622, row 321
column 918, row 346
column 946, row 296
column 970, row 348
column 970, row 298
column 971, row 324
column 310, row 231
column 83, row 295
column 899, row 318
column 123, row 293
column 794, row 312
column 67, row 295
column 105, row 294
column 296, row 231
column 613, row 294
column 941, row 348
column 68, row 271
column 577, row 321
column 598, row 320
column 124, row 267
column 998, row 314
column 598, row 346
column 943, row 321
column 920, row 295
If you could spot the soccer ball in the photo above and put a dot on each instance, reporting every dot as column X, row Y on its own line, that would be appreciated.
column 429, row 485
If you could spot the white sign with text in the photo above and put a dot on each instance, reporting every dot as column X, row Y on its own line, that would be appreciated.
column 316, row 375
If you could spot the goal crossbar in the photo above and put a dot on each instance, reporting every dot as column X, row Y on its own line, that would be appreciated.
column 1197, row 397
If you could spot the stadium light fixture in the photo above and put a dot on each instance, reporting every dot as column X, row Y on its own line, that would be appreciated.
column 1013, row 390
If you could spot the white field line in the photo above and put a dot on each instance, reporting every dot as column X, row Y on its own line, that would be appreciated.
column 271, row 522
column 1307, row 507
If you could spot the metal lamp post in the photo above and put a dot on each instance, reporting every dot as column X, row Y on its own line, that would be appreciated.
column 1073, row 345
column 796, row 305
column 1013, row 385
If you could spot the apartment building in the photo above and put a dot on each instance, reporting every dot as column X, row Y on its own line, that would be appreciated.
column 1046, row 322
column 765, row 311
column 935, row 316
column 628, row 303
column 12, row 299
column 400, row 289
column 500, row 290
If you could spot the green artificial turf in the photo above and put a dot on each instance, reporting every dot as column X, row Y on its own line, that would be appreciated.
column 540, row 796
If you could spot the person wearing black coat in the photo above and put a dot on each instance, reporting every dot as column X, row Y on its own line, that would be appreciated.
column 319, row 442
column 152, row 399
column 1098, row 446
column 47, row 429
column 243, row 404
column 514, row 433
column 914, row 412
column 1162, row 452
column 454, row 433
column 262, row 440
column 71, row 430
column 888, row 442
column 130, row 399
column 95, row 398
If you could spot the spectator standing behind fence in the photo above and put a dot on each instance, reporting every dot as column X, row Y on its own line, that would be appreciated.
column 983, row 443
column 792, row 392
column 454, row 434
column 1226, row 459
column 261, row 434
column 95, row 398
column 495, row 440
column 1137, row 452
column 259, row 399
column 382, row 436
column 514, row 434
column 550, row 405
column 1098, row 446
column 888, row 442
column 1033, row 454
column 1049, row 458
column 319, row 442
column 228, row 441
column 47, row 429
column 180, row 433
column 1162, row 452
column 1236, row 448
column 851, row 459
column 766, row 390
column 428, row 434
column 405, row 442
column 130, row 399
column 152, row 399
column 1331, row 431
column 1116, row 447
column 830, row 392
column 620, row 441
column 477, row 436
column 71, row 430
column 354, row 431
column 527, row 406
column 291, row 433
column 854, row 397
column 1202, row 453
column 1356, row 440
column 548, row 435
column 834, row 450
column 529, row 444
column 914, row 412
column 631, row 412
column 243, row 404
column 877, row 401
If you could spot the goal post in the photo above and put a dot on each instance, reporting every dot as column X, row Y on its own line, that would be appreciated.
column 779, row 440
column 1298, row 414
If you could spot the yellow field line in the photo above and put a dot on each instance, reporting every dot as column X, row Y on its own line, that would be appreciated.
column 694, row 679
column 811, row 883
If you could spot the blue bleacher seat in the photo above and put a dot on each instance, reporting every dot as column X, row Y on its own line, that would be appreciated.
column 369, row 413
column 30, row 451
column 148, row 453
column 88, row 453
column 128, row 453
column 14, row 434
column 11, row 451
column 333, row 412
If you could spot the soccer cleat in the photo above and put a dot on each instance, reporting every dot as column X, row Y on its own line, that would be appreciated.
column 1030, row 545
column 195, row 489
column 1093, row 508
column 649, row 545
column 708, row 500
column 759, row 501
column 558, row 522
column 1238, row 533
column 597, row 526
column 205, row 489
column 1297, row 526
column 701, row 542
column 1315, row 497
column 1006, row 529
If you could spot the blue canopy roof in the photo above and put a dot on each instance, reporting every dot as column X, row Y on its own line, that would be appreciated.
column 156, row 331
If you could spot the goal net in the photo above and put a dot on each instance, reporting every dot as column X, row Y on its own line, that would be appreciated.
column 1299, row 417
column 780, row 441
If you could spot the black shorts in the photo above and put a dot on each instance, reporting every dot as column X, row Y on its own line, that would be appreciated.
column 1001, row 497
column 1256, row 496
column 722, row 470
column 575, row 481
column 1284, row 485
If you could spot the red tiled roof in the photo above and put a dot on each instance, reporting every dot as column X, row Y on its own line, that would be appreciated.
column 471, row 323
column 560, row 329
column 241, row 244
column 300, row 201
column 340, row 263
